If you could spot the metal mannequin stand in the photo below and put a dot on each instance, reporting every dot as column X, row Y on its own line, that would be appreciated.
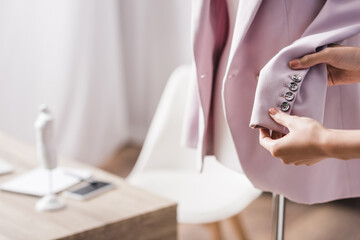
column 278, row 212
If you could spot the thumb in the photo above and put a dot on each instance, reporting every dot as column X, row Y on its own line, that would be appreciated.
column 312, row 59
column 280, row 117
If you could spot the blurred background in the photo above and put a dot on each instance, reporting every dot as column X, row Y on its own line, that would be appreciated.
column 100, row 66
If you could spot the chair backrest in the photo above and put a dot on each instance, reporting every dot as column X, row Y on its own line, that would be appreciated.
column 162, row 147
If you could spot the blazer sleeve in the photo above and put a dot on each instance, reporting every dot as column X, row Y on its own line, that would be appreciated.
column 303, row 92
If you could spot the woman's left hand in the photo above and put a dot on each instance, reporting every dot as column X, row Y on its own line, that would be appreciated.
column 304, row 144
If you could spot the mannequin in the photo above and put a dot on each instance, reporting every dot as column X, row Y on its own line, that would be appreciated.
column 224, row 148
column 45, row 148
column 45, row 145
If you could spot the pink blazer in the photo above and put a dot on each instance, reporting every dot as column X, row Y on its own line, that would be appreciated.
column 268, row 35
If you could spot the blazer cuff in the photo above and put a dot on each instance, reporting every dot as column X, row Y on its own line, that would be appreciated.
column 278, row 87
column 295, row 92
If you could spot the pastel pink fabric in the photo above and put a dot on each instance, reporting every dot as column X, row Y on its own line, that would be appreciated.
column 269, row 35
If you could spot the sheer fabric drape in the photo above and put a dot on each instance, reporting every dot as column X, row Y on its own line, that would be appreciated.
column 99, row 65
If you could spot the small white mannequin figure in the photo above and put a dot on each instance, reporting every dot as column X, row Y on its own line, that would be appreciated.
column 46, row 153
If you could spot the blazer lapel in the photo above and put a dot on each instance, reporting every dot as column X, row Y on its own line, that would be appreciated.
column 247, row 10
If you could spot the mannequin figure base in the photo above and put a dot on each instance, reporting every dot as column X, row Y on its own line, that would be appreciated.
column 49, row 203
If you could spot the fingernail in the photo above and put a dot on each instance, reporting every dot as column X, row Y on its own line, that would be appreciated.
column 294, row 63
column 273, row 111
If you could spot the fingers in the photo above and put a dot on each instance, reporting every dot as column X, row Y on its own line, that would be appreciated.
column 310, row 60
column 265, row 139
column 276, row 135
column 314, row 161
column 280, row 117
column 264, row 133
column 308, row 162
column 302, row 162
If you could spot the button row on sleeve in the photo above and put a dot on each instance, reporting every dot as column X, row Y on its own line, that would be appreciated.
column 289, row 96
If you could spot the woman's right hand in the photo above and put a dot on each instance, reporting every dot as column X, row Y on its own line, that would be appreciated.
column 343, row 63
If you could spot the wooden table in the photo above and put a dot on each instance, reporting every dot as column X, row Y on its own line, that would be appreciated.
column 126, row 213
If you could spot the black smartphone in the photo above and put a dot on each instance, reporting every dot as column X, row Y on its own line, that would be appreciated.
column 88, row 191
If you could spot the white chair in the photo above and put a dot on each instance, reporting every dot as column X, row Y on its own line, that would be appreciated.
column 169, row 169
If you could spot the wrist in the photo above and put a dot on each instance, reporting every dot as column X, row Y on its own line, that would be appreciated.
column 326, row 143
column 336, row 146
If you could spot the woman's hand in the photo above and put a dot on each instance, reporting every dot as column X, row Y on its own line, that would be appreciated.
column 304, row 144
column 343, row 63
column 308, row 142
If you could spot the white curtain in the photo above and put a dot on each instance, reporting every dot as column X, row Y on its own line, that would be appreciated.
column 157, row 40
column 99, row 65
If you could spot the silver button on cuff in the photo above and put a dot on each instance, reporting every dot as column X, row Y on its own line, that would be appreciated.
column 285, row 106
column 289, row 96
column 293, row 86
column 296, row 78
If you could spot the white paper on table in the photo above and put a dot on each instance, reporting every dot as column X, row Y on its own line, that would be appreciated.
column 35, row 182
column 5, row 167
